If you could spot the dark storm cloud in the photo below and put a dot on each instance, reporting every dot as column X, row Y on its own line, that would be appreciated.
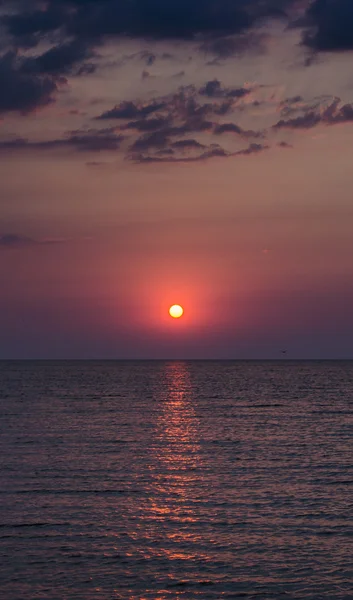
column 21, row 91
column 159, row 19
column 227, row 46
column 330, row 25
column 59, row 59
column 137, row 18
column 27, row 24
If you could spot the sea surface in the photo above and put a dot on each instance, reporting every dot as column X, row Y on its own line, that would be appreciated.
column 176, row 480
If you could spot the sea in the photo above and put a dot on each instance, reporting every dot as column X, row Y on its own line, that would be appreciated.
column 170, row 480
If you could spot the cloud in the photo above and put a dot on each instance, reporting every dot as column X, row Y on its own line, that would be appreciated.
column 147, row 124
column 226, row 47
column 136, row 18
column 130, row 110
column 213, row 89
column 330, row 25
column 181, row 158
column 13, row 240
column 233, row 128
column 181, row 112
column 284, row 145
column 20, row 91
column 291, row 105
column 332, row 113
column 213, row 151
column 252, row 149
column 26, row 25
column 228, row 128
column 59, row 59
column 164, row 122
column 182, row 144
column 173, row 19
column 157, row 139
column 306, row 121
column 95, row 140
column 92, row 140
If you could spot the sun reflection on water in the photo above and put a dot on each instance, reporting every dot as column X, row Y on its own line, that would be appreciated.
column 177, row 429
column 176, row 465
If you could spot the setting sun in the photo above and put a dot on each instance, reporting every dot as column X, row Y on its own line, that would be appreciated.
column 176, row 311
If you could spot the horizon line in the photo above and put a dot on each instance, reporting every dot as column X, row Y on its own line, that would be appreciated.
column 279, row 359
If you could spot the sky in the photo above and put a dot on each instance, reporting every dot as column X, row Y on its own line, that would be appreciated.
column 196, row 152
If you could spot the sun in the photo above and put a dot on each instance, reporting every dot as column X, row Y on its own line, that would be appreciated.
column 176, row 311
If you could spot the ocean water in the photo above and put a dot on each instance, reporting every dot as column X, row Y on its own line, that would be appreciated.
column 176, row 480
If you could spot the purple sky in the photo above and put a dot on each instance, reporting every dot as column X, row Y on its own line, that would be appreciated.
column 158, row 152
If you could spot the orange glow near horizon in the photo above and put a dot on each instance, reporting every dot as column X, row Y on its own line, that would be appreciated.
column 176, row 311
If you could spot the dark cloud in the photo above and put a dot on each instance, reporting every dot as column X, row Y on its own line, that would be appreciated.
column 330, row 25
column 147, row 124
column 158, row 19
column 157, row 139
column 343, row 115
column 28, row 24
column 13, row 240
column 190, row 125
column 213, row 151
column 228, row 127
column 291, row 105
column 187, row 144
column 306, row 121
column 226, row 47
column 164, row 126
column 130, row 110
column 284, row 145
column 59, row 59
column 21, row 91
column 252, row 149
column 214, row 89
column 233, row 128
column 332, row 114
column 179, row 113
column 93, row 140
